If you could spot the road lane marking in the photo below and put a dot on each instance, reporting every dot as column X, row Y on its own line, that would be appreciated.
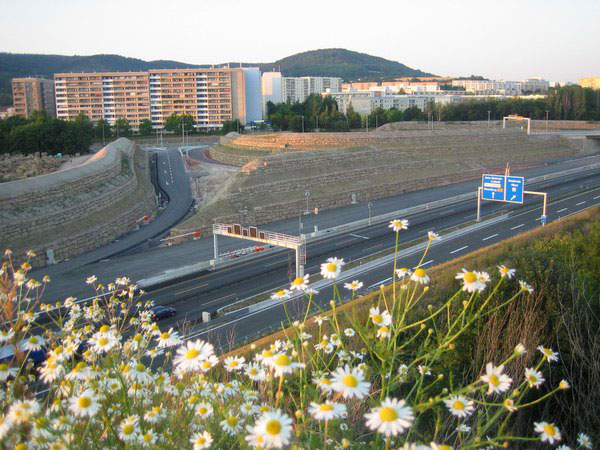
column 273, row 263
column 344, row 242
column 375, row 246
column 561, row 210
column 518, row 226
column 489, row 237
column 191, row 289
column 221, row 298
column 359, row 236
column 458, row 249
column 580, row 203
column 424, row 264
column 597, row 196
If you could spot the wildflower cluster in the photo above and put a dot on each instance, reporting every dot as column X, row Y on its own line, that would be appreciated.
column 110, row 377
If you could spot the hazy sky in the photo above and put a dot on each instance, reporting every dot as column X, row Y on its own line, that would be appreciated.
column 510, row 39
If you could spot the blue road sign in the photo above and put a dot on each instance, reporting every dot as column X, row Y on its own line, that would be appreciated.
column 494, row 187
column 514, row 189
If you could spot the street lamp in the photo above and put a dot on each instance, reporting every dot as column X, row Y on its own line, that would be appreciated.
column 303, row 124
column 547, row 111
column 489, row 112
column 369, row 206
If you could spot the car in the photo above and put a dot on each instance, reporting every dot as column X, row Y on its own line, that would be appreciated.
column 162, row 312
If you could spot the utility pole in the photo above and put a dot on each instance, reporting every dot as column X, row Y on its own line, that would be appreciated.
column 369, row 206
column 317, row 117
column 182, row 135
column 547, row 111
column 303, row 124
column 103, row 140
column 489, row 112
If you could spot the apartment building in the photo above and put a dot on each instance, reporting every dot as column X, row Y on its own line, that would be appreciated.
column 107, row 95
column 593, row 83
column 270, row 89
column 31, row 94
column 493, row 87
column 363, row 102
column 297, row 89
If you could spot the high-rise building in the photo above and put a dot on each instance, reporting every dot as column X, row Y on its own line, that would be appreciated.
column 297, row 89
column 270, row 89
column 109, row 96
column 31, row 94
column 593, row 83
column 253, row 97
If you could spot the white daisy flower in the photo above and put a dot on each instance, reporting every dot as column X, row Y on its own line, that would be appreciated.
column 350, row 382
column 323, row 383
column 420, row 276
column 319, row 320
column 85, row 404
column 506, row 272
column 403, row 272
column 548, row 354
column 169, row 339
column 21, row 412
column 201, row 440
column 498, row 382
column 383, row 332
column 282, row 364
column 471, row 282
column 51, row 370
column 327, row 410
column 255, row 372
column 6, row 371
column 433, row 236
column 381, row 319
column 525, row 287
column 273, row 429
column 548, row 432
column 231, row 424
column 33, row 344
column 393, row 417
column 299, row 283
column 349, row 332
column 354, row 285
column 282, row 294
column 234, row 363
column 204, row 410
column 129, row 430
column 533, row 377
column 398, row 224
column 331, row 268
column 91, row 279
column 148, row 439
column 584, row 440
column 460, row 406
column 192, row 355
column 520, row 350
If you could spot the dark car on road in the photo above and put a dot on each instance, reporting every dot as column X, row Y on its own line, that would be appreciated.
column 162, row 312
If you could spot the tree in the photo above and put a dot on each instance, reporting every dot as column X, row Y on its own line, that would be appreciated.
column 122, row 127
column 102, row 130
column 354, row 119
column 232, row 125
column 174, row 122
column 296, row 123
column 145, row 128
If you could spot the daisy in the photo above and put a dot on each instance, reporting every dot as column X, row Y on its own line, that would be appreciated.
column 509, row 404
column 283, row 364
column 204, row 410
column 168, row 339
column 274, row 428
column 350, row 382
column 299, row 283
column 22, row 411
column 520, row 350
column 349, row 332
column 584, row 440
column 320, row 320
column 483, row 277
column 393, row 417
column 525, row 287
column 323, row 383
column 470, row 281
column 231, row 424
column 128, row 430
column 85, row 404
column 327, row 410
column 420, row 276
column 506, row 272
column 331, row 268
column 498, row 382
column 403, row 272
column 354, row 286
column 248, row 408
column 423, row 370
column 398, row 224
column 460, row 406
column 193, row 354
column 155, row 414
column 102, row 344
column 383, row 332
column 5, row 426
column 33, row 344
column 564, row 384
column 6, row 335
column 234, row 363
column 463, row 428
column 6, row 371
column 548, row 432
column 148, row 439
column 209, row 363
column 433, row 236
column 201, row 440
column 140, row 373
column 548, row 354
column 91, row 279
column 255, row 372
column 533, row 377
column 381, row 319
column 283, row 294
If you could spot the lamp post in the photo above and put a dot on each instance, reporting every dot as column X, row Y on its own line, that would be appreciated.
column 489, row 113
column 547, row 111
column 369, row 206
column 303, row 124
column 317, row 130
column 103, row 140
column 182, row 134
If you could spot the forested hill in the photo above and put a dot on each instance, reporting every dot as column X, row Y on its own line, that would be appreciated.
column 338, row 62
column 335, row 62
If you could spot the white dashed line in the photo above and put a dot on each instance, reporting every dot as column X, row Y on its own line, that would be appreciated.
column 580, row 203
column 359, row 236
column 596, row 197
column 561, row 210
column 458, row 249
column 424, row 264
column 489, row 237
column 518, row 226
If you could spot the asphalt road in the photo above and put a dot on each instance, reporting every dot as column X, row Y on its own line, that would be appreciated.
column 71, row 281
column 174, row 181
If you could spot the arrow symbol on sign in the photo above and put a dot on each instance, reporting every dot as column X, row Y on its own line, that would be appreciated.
column 513, row 197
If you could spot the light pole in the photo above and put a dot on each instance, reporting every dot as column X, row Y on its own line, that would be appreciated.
column 489, row 112
column 307, row 194
column 369, row 206
column 182, row 135
column 547, row 111
column 317, row 130
column 103, row 140
column 303, row 124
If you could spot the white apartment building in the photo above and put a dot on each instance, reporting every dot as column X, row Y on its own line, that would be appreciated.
column 297, row 89
column 501, row 87
column 270, row 90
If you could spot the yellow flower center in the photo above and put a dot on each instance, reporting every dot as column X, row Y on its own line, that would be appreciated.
column 280, row 293
column 331, row 267
column 469, row 277
column 164, row 335
column 84, row 402
column 206, row 364
column 148, row 437
column 350, row 381
column 377, row 318
column 458, row 405
column 326, row 408
column 549, row 430
column 325, row 381
column 202, row 410
column 420, row 273
column 104, row 329
column 128, row 429
column 273, row 427
column 298, row 281
column 233, row 364
column 192, row 354
column 140, row 367
column 137, row 338
column 253, row 372
column 232, row 421
column 102, row 342
column 494, row 380
column 387, row 414
column 267, row 354
column 200, row 441
column 283, row 360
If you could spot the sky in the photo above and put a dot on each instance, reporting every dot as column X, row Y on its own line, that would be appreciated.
column 509, row 39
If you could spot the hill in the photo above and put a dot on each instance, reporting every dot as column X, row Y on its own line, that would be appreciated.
column 327, row 62
column 339, row 62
